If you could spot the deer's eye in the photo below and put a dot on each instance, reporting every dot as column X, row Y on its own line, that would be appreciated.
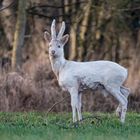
column 58, row 46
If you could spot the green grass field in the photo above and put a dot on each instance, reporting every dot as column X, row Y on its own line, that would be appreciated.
column 37, row 126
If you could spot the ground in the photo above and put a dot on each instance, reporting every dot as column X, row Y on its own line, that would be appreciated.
column 39, row 126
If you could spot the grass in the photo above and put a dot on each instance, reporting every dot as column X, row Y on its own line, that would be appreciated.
column 38, row 126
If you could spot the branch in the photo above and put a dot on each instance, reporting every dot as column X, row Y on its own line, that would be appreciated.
column 50, row 109
column 50, row 17
column 57, row 7
column 128, row 9
column 11, row 4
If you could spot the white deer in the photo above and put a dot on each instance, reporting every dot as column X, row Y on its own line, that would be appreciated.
column 74, row 77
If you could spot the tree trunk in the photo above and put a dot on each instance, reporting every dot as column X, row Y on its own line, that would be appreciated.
column 19, row 35
column 7, row 17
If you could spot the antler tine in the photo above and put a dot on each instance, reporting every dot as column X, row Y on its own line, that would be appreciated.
column 61, row 32
column 53, row 31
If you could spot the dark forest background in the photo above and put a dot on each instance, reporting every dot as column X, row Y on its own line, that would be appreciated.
column 99, row 29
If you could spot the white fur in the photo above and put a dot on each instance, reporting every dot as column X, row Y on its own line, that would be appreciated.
column 74, row 77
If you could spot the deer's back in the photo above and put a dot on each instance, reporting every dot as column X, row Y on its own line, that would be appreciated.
column 89, row 73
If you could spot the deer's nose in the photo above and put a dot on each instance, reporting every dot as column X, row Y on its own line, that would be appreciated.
column 53, row 51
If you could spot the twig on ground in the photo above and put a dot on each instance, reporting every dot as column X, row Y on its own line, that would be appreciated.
column 77, row 124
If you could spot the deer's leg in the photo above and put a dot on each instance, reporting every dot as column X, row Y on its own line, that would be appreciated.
column 123, row 108
column 125, row 92
column 74, row 102
column 79, row 106
column 122, row 100
column 119, row 110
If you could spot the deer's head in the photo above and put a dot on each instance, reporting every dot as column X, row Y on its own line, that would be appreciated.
column 56, row 41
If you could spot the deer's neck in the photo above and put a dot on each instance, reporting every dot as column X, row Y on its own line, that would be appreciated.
column 57, row 64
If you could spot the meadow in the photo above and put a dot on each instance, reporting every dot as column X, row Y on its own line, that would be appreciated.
column 39, row 126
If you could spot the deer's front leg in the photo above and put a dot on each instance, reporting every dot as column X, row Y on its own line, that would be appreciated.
column 74, row 102
column 79, row 106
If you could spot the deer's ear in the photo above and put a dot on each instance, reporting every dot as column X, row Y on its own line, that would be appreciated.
column 47, row 36
column 64, row 39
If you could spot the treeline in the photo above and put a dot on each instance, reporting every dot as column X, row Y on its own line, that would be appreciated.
column 99, row 29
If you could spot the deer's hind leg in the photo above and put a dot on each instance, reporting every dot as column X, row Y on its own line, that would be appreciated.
column 118, row 110
column 115, row 91
column 125, row 91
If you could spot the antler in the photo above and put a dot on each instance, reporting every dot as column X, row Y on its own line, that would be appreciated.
column 61, row 32
column 53, row 31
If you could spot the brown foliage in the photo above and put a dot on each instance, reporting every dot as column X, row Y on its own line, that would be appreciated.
column 38, row 89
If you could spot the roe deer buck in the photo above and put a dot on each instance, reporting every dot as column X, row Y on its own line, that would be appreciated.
column 74, row 77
